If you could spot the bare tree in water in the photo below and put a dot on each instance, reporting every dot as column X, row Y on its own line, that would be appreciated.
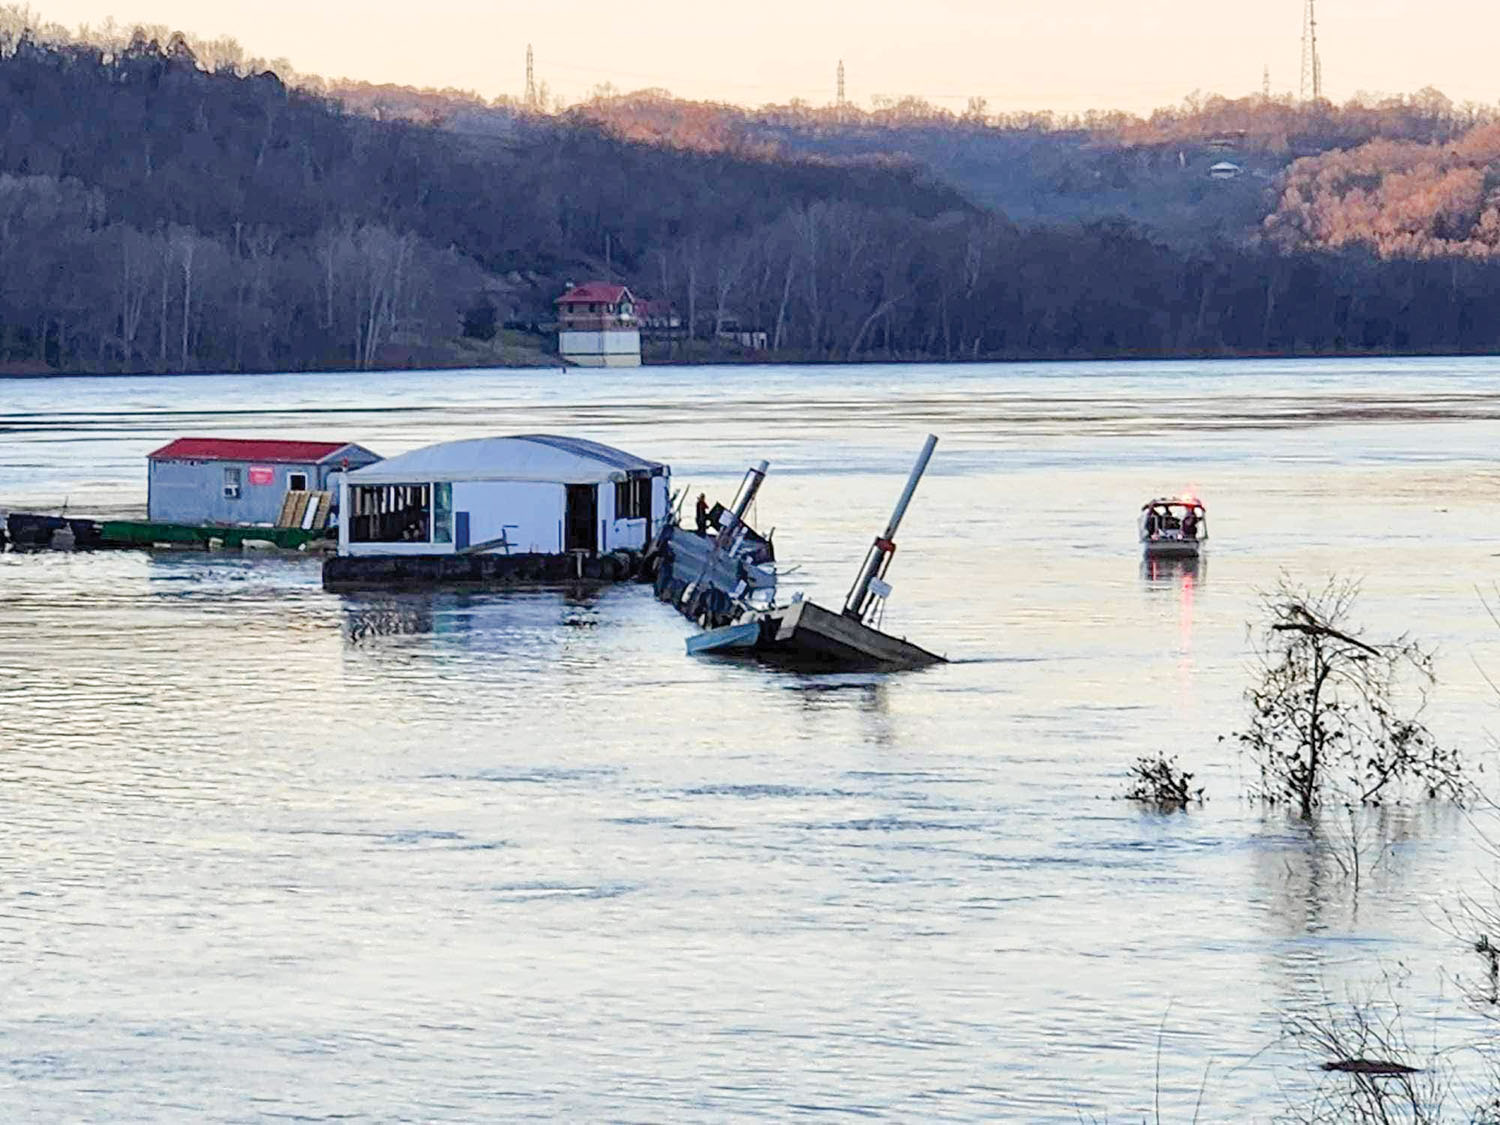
column 1326, row 721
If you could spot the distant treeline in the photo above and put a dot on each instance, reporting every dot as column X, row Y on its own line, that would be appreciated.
column 166, row 206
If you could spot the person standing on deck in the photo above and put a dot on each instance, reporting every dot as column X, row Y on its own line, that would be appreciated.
column 702, row 514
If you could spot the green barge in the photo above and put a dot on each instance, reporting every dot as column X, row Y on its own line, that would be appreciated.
column 34, row 531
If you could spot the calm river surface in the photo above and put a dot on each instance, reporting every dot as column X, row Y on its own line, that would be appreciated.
column 269, row 852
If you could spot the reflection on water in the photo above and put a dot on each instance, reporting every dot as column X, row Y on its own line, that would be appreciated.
column 272, row 851
column 1184, row 574
column 393, row 618
column 498, row 620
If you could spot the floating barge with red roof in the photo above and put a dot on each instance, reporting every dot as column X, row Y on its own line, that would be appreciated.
column 235, row 481
column 215, row 492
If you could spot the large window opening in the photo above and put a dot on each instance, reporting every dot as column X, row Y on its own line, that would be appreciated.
column 390, row 513
column 296, row 482
column 633, row 499
column 232, row 482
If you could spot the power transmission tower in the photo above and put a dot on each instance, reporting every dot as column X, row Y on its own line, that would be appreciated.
column 1312, row 65
column 530, row 80
column 1265, row 84
column 841, row 102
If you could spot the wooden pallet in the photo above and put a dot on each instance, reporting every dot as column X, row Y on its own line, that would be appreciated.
column 306, row 510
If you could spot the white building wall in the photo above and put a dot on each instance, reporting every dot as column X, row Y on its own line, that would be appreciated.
column 617, row 347
column 661, row 503
column 193, row 491
column 608, row 525
column 529, row 514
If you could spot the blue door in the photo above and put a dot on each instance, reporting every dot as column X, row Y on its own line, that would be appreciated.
column 460, row 530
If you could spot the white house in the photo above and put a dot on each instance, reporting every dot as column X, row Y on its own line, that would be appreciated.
column 598, row 326
column 528, row 494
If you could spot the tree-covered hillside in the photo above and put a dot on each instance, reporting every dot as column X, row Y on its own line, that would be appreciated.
column 157, row 215
column 167, row 204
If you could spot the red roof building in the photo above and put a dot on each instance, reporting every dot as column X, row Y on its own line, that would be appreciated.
column 599, row 326
column 597, row 305
column 215, row 480
column 249, row 449
column 595, row 293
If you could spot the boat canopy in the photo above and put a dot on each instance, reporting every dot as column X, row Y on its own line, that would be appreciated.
column 522, row 457
column 1174, row 502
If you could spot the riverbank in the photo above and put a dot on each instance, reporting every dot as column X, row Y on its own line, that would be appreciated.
column 520, row 356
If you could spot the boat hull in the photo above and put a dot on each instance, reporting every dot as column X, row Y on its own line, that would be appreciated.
column 808, row 637
column 728, row 638
column 1172, row 548
column 810, row 633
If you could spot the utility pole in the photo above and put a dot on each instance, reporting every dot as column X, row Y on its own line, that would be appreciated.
column 530, row 79
column 1312, row 65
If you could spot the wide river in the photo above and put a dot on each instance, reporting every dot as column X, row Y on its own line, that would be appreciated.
column 268, row 852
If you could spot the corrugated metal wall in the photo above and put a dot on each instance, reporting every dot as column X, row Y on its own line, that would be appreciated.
column 199, row 491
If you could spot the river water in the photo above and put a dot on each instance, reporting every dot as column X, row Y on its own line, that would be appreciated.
column 270, row 852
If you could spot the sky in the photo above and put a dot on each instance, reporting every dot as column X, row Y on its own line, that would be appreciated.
column 1064, row 55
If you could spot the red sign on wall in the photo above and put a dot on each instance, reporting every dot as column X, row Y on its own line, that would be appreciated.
column 262, row 474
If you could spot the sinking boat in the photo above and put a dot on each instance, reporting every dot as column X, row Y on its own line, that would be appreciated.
column 1173, row 528
column 805, row 634
column 720, row 568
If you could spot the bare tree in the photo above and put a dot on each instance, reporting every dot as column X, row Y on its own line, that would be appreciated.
column 733, row 259
column 1325, row 717
column 185, row 248
column 134, row 280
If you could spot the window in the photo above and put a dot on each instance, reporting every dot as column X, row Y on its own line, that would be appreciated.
column 390, row 513
column 632, row 498
column 232, row 483
column 296, row 482
column 442, row 513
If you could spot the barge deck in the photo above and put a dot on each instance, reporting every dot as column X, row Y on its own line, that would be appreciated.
column 33, row 531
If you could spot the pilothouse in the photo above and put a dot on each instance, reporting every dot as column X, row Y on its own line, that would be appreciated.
column 1175, row 527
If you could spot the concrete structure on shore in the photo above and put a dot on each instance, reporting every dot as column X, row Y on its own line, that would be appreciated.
column 598, row 327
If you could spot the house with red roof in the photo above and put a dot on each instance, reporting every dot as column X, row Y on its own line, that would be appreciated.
column 212, row 480
column 597, row 325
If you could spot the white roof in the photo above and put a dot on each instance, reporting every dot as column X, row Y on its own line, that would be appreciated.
column 1225, row 166
column 523, row 457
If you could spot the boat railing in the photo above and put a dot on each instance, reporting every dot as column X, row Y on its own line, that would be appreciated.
column 1174, row 535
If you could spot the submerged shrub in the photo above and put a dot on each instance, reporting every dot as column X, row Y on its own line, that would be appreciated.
column 1162, row 782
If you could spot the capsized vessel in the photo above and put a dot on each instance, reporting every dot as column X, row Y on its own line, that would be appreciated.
column 806, row 634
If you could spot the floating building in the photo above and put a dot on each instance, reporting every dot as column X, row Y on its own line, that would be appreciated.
column 533, row 506
column 198, row 480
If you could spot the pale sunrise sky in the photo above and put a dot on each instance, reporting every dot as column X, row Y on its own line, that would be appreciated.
column 1066, row 55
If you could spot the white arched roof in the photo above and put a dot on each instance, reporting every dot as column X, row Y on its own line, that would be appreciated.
column 524, row 457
